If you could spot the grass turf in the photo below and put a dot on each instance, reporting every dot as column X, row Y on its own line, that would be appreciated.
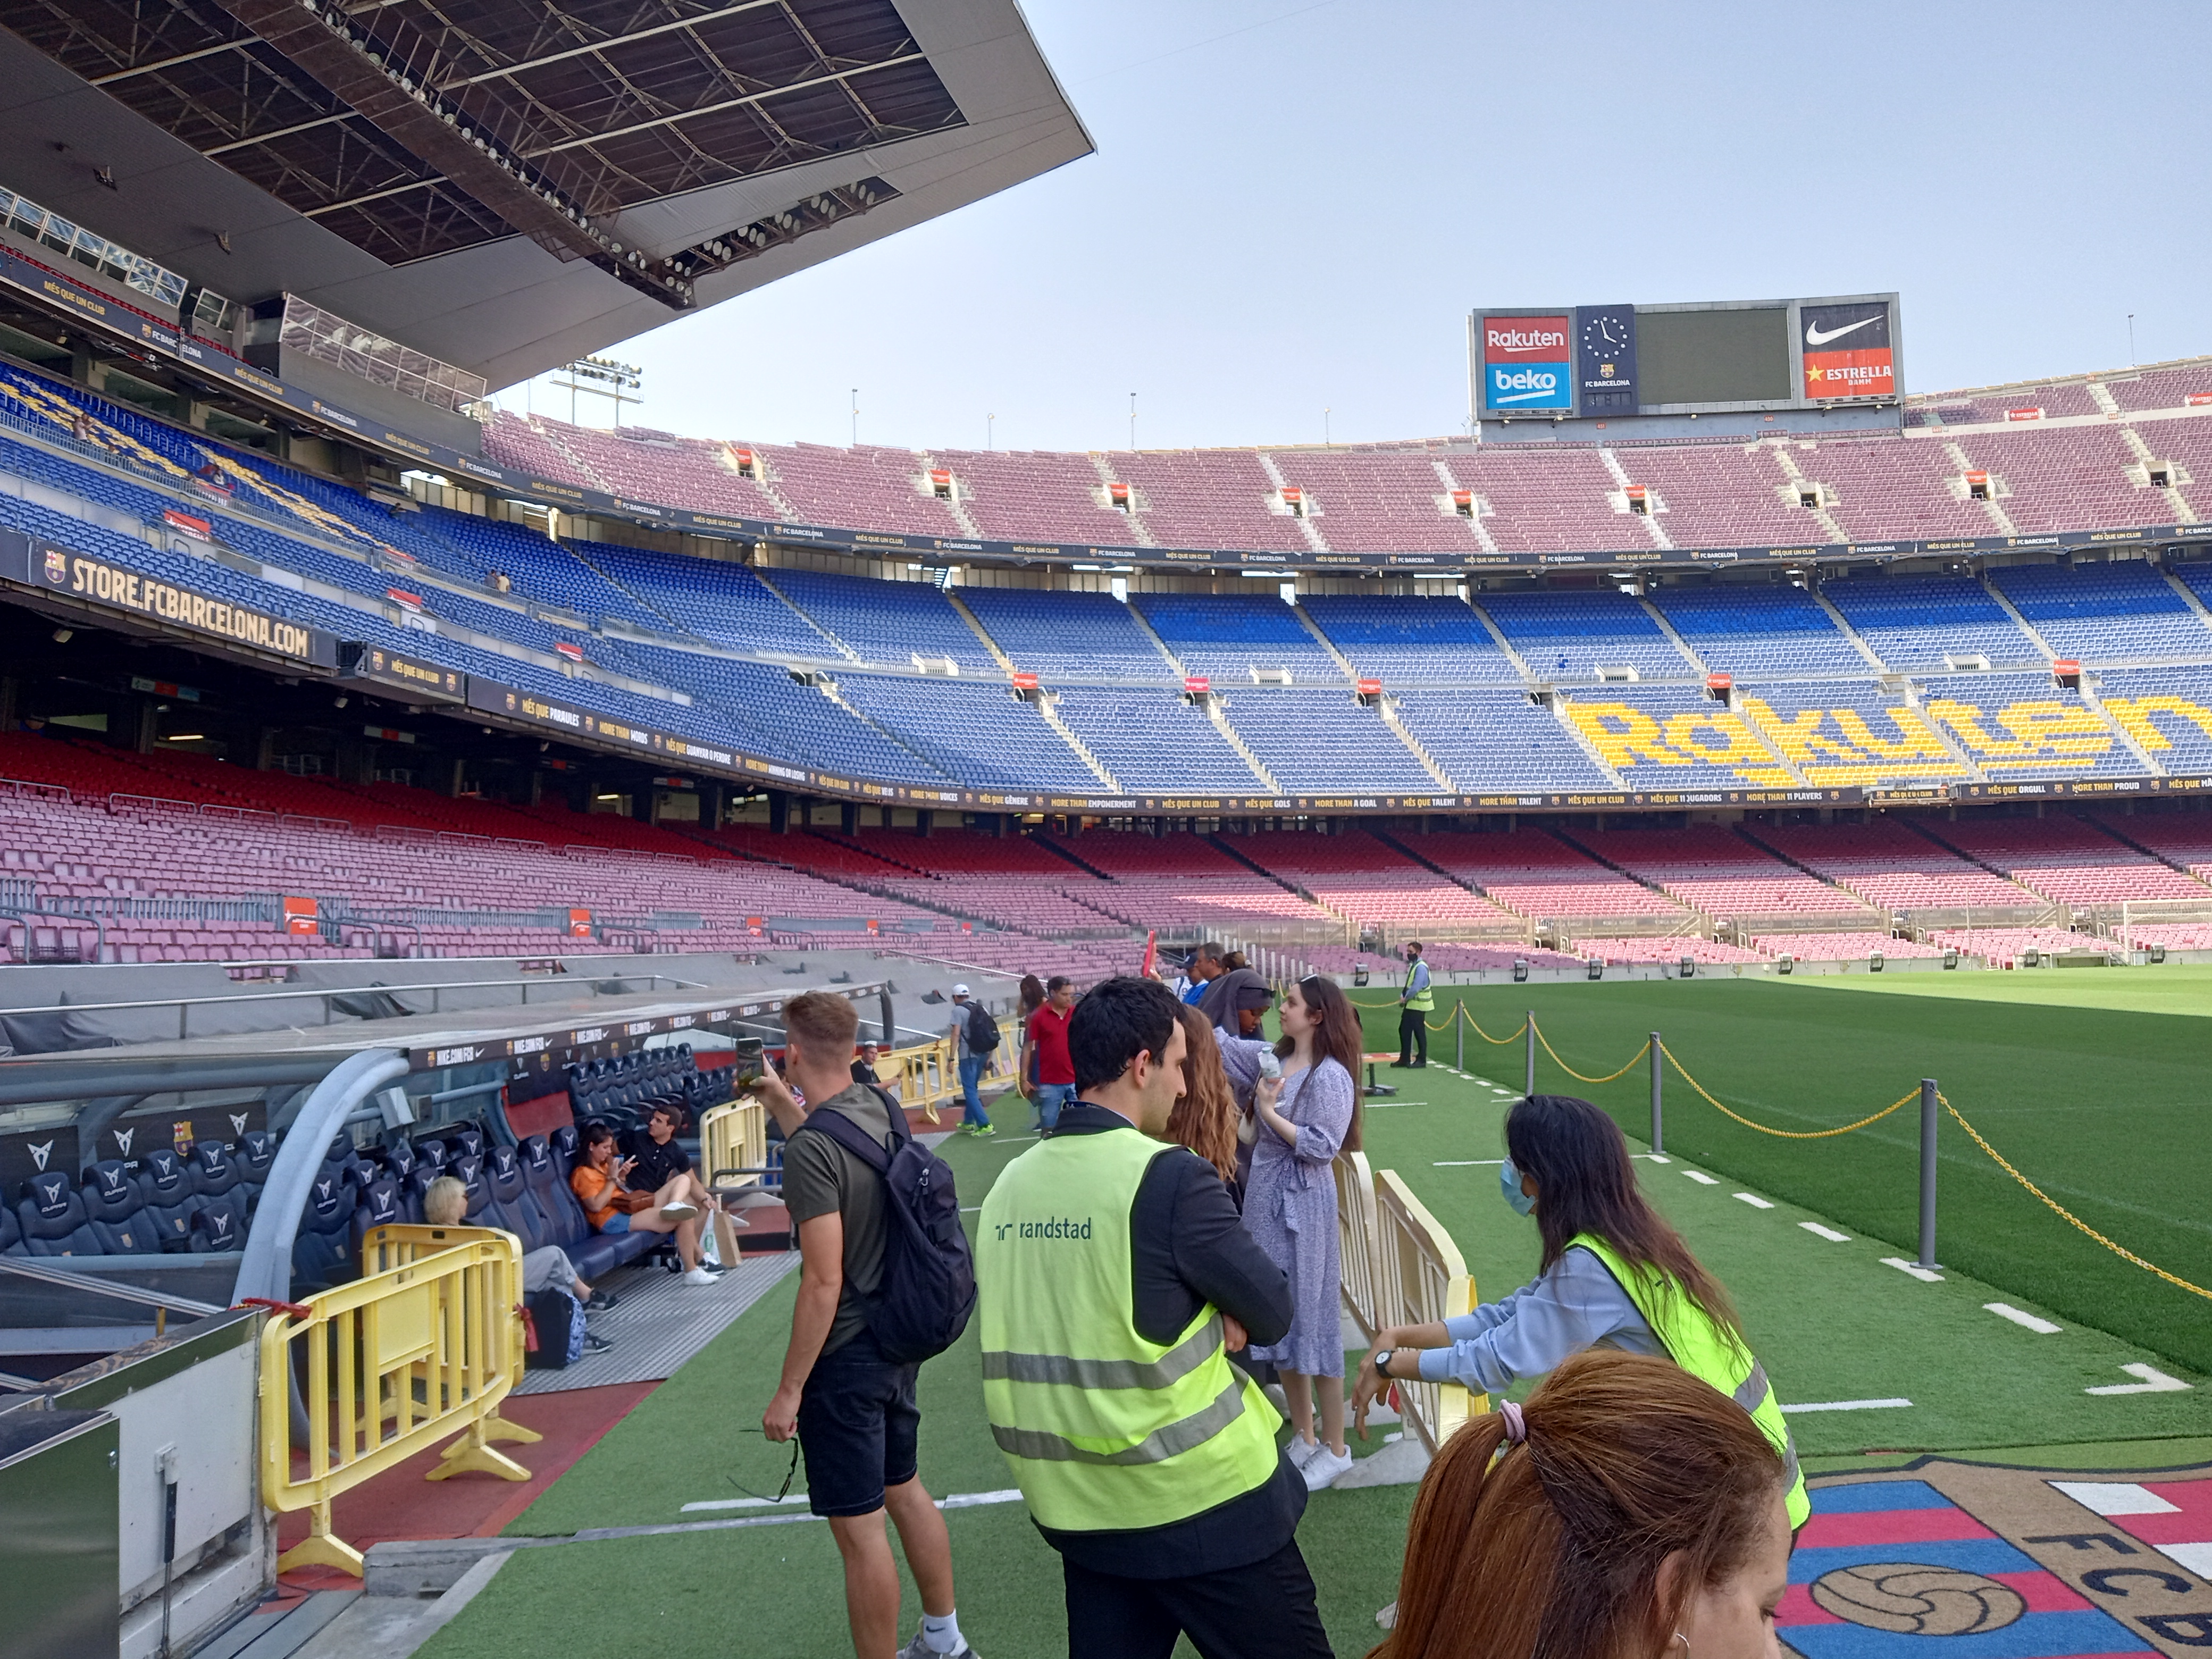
column 2090, row 1084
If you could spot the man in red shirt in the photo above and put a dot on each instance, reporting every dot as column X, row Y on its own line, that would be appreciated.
column 1045, row 1045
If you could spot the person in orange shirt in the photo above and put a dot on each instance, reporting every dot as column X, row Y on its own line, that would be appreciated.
column 612, row 1207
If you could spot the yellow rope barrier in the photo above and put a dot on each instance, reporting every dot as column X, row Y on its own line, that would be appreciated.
column 1786, row 1134
column 1578, row 1076
column 2065, row 1214
column 1518, row 1033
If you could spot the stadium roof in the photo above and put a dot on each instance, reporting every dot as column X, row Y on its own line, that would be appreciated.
column 509, row 184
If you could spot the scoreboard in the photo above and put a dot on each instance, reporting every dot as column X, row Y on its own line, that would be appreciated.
column 1570, row 362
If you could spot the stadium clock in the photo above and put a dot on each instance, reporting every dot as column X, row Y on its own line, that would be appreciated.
column 1605, row 338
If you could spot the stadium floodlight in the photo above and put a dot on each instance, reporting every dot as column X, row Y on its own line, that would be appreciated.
column 612, row 380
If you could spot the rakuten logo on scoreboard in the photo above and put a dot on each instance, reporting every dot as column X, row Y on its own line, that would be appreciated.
column 1527, row 364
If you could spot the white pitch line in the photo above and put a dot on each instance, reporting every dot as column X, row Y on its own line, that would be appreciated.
column 1656, row 1157
column 1890, row 1405
column 1755, row 1200
column 1828, row 1233
column 2005, row 1310
column 1701, row 1177
column 2154, row 1380
column 1465, row 1163
column 1903, row 1267
column 964, row 1500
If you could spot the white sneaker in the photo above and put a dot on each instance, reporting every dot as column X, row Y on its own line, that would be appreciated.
column 678, row 1211
column 1300, row 1452
column 700, row 1276
column 1323, row 1467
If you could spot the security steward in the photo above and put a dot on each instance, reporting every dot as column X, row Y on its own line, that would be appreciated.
column 1115, row 1278
column 1416, row 1002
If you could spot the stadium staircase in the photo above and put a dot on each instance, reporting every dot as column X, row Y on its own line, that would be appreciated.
column 1218, row 714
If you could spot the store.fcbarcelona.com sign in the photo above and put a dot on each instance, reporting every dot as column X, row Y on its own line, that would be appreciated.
column 1527, row 363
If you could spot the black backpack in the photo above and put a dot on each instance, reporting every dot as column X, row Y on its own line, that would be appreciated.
column 984, row 1037
column 928, row 1286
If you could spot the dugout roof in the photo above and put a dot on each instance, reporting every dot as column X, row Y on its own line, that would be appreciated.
column 509, row 184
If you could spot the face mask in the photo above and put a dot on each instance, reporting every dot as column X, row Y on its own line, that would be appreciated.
column 1508, row 1185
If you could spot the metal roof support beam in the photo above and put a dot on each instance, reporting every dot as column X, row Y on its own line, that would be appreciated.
column 341, row 65
column 611, row 42
column 838, row 78
column 159, row 64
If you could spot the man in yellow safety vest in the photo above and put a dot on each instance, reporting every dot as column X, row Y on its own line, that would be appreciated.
column 1115, row 1277
column 1416, row 1002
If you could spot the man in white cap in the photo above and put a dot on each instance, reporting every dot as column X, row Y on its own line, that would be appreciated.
column 970, row 1022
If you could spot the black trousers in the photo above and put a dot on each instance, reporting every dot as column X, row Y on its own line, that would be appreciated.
column 1265, row 1611
column 1412, row 1032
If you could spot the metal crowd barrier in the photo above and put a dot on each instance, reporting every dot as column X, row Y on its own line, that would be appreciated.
column 1423, row 1279
column 1358, row 1245
column 733, row 1141
column 430, row 1341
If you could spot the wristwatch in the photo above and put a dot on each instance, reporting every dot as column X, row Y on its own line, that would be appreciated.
column 1383, row 1362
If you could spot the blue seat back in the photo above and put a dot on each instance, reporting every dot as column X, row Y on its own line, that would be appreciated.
column 167, row 1184
column 549, row 1189
column 117, row 1210
column 54, row 1219
column 255, row 1151
column 320, row 1256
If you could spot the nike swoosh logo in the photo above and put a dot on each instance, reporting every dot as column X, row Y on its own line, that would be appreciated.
column 1814, row 336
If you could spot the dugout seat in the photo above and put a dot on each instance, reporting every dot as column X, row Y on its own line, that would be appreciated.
column 166, row 1183
column 54, row 1219
column 380, row 1205
column 218, row 1190
column 319, row 1255
column 511, row 1203
column 255, row 1151
column 11, row 1233
column 117, row 1210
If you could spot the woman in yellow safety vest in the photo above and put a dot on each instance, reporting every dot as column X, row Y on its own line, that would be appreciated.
column 1614, row 1275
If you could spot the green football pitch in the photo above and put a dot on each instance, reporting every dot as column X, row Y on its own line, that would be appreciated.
column 2087, row 1085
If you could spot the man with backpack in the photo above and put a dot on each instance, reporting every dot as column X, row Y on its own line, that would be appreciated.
column 975, row 1037
column 884, row 1281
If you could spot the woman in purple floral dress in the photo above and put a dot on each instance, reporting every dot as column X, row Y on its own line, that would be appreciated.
column 1289, row 1209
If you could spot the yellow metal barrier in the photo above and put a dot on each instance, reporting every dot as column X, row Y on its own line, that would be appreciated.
column 927, row 1075
column 732, row 1137
column 392, row 1364
column 1424, row 1281
column 1358, row 1245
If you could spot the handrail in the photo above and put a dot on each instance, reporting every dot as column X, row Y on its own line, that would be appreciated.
column 25, row 1267
column 389, row 1365
column 1428, row 1281
column 334, row 991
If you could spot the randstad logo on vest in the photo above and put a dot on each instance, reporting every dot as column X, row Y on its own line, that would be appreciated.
column 1058, row 1227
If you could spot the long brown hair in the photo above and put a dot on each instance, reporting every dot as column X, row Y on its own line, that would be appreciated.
column 1338, row 1037
column 1032, row 995
column 1586, row 1184
column 1553, row 1551
column 1205, row 1119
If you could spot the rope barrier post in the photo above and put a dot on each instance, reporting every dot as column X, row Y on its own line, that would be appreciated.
column 1530, row 1087
column 1927, row 1172
column 1658, row 1127
column 1458, row 1036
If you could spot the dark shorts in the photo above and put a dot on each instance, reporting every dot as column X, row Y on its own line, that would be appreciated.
column 858, row 1425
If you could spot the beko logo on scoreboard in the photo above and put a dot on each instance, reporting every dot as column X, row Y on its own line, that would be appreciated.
column 1506, row 338
column 1539, row 386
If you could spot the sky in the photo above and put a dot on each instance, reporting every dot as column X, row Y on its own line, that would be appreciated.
column 1293, row 207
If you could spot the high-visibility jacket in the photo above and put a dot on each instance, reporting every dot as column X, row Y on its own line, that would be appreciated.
column 1708, row 1351
column 1104, row 1430
column 1423, row 1000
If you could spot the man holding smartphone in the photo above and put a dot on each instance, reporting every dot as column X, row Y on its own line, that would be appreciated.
column 853, row 1410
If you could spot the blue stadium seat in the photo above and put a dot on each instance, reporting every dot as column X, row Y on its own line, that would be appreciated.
column 218, row 1191
column 117, row 1210
column 380, row 1205
column 320, row 1258
column 54, row 1219
column 166, row 1183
